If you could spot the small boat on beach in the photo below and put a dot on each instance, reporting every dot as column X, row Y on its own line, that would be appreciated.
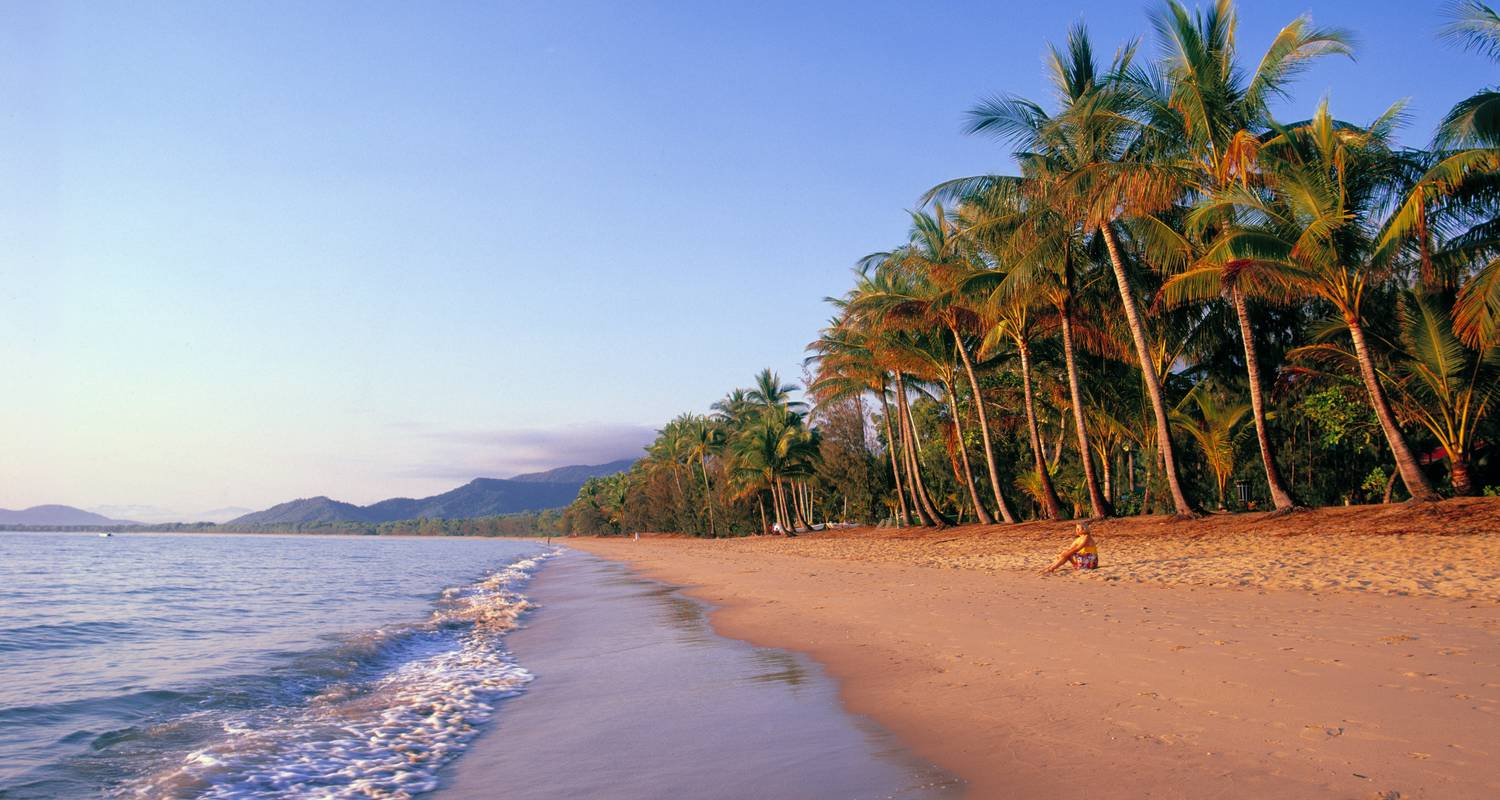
column 105, row 535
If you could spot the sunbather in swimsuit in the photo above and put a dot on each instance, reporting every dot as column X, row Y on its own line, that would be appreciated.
column 1082, row 553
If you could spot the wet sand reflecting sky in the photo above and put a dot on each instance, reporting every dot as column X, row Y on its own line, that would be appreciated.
column 637, row 698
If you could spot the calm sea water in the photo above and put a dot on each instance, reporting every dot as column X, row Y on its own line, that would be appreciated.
column 161, row 666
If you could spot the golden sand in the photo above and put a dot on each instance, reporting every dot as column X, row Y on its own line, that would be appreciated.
column 1441, row 550
column 1344, row 653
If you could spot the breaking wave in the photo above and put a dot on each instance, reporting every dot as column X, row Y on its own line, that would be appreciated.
column 383, row 711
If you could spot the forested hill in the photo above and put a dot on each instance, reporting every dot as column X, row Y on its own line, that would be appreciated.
column 481, row 497
column 62, row 515
column 578, row 473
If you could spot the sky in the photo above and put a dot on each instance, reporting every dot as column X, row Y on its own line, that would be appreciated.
column 258, row 251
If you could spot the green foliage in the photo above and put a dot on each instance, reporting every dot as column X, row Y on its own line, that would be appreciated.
column 1374, row 483
column 1341, row 419
column 714, row 475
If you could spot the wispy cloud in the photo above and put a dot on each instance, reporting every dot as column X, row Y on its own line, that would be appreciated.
column 501, row 453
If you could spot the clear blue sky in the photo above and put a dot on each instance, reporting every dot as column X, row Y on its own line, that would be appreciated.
column 255, row 251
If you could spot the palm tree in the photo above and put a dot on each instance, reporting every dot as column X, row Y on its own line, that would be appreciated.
column 845, row 367
column 1019, row 225
column 770, row 392
column 733, row 409
column 950, row 265
column 1221, row 113
column 1444, row 386
column 1012, row 317
column 931, row 293
column 897, row 349
column 1216, row 430
column 670, row 452
column 607, row 497
column 942, row 367
column 1116, row 177
column 756, row 469
column 704, row 439
column 1312, row 231
column 1094, row 154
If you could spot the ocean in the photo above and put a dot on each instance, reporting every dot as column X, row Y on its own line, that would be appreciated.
column 260, row 666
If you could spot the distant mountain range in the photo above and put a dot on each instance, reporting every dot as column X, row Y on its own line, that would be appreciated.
column 481, row 497
column 57, row 515
column 156, row 515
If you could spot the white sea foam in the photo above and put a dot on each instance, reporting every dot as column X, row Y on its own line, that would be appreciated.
column 384, row 737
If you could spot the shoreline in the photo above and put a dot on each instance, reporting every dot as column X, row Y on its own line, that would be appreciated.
column 635, row 697
column 1060, row 687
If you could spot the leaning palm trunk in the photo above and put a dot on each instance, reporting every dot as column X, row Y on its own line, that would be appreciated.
column 776, row 509
column 908, row 456
column 787, row 528
column 760, row 502
column 1148, row 374
column 980, row 512
column 1106, row 460
column 1051, row 503
column 930, row 513
column 1098, row 500
column 984, row 432
column 780, row 521
column 683, row 496
column 801, row 519
column 1417, row 484
column 908, row 460
column 1280, row 497
column 918, row 489
column 804, row 500
column 891, row 447
column 708, row 498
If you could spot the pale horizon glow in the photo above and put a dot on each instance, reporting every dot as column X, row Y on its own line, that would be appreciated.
column 255, row 252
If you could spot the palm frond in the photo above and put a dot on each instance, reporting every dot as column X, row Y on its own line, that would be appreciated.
column 1476, row 314
column 1473, row 26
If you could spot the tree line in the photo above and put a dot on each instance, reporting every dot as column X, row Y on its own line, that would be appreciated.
column 1176, row 303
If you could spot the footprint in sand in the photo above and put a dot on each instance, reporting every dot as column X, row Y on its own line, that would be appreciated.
column 1319, row 732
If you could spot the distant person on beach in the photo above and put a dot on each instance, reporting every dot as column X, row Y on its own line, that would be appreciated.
column 1083, row 553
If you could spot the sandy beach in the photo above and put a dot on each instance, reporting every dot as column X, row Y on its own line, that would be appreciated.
column 1346, row 653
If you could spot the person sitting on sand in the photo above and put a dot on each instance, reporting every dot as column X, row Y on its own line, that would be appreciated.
column 1082, row 552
